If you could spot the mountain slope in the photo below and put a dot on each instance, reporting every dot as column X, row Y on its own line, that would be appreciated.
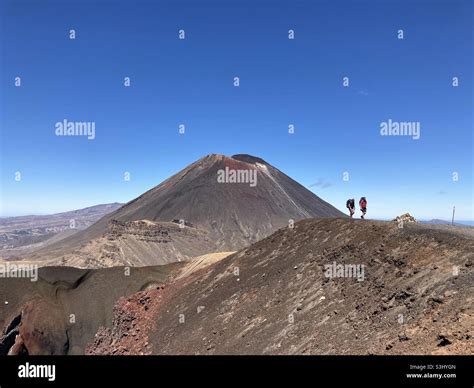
column 270, row 298
column 274, row 297
column 227, row 216
column 233, row 213
column 60, row 312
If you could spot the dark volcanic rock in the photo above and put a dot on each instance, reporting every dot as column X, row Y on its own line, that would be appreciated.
column 234, row 214
column 270, row 298
column 224, row 216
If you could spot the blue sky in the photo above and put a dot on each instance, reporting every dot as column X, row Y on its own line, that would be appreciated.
column 282, row 82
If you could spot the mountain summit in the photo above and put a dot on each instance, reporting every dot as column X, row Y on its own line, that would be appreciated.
column 234, row 213
column 228, row 202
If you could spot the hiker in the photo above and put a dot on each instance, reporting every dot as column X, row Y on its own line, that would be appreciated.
column 350, row 204
column 363, row 206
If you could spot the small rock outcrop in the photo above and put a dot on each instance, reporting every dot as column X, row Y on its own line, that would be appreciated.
column 407, row 217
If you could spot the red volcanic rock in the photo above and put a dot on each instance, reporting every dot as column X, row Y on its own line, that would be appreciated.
column 133, row 319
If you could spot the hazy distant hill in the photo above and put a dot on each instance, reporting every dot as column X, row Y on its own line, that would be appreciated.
column 437, row 221
column 24, row 230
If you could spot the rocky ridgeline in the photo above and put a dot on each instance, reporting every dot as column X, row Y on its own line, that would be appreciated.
column 405, row 218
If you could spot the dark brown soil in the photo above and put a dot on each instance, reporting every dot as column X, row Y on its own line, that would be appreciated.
column 416, row 297
column 64, row 309
column 274, row 297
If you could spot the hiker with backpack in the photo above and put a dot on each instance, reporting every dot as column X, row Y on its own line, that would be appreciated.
column 363, row 206
column 350, row 204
